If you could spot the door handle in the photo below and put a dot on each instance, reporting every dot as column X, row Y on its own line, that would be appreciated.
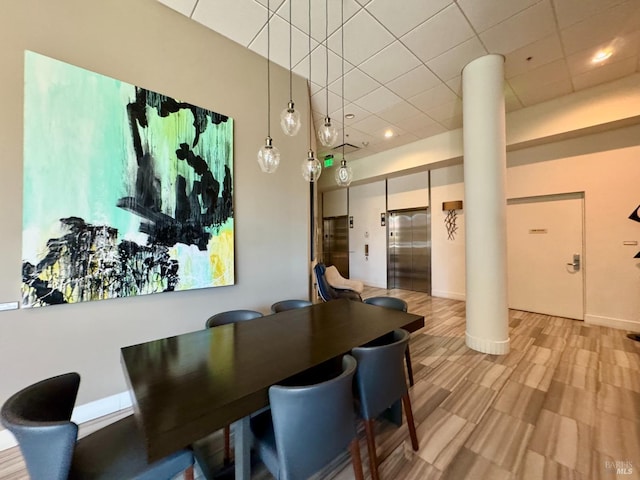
column 576, row 261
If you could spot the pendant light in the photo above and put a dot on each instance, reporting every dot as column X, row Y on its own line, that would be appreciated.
column 290, row 117
column 311, row 167
column 268, row 155
column 344, row 174
column 327, row 133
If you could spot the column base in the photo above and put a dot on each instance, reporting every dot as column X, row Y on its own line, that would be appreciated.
column 484, row 345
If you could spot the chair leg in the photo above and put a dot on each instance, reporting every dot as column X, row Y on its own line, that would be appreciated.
column 354, row 447
column 406, row 401
column 371, row 446
column 227, row 445
column 188, row 473
column 407, row 357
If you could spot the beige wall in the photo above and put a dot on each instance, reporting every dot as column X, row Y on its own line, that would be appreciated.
column 144, row 43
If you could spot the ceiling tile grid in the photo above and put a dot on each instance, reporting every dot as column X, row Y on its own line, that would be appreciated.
column 403, row 60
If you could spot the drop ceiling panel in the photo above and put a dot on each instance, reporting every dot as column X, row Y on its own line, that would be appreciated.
column 534, row 23
column 603, row 27
column 241, row 22
column 279, row 43
column 378, row 100
column 440, row 33
column 450, row 64
column 573, row 11
column 356, row 85
column 484, row 14
column 533, row 56
column 606, row 73
column 399, row 111
column 540, row 77
column 363, row 37
column 433, row 97
column 550, row 91
column 401, row 17
column 391, row 62
column 409, row 53
column 414, row 82
column 624, row 47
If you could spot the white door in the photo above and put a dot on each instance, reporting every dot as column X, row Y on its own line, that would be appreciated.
column 545, row 255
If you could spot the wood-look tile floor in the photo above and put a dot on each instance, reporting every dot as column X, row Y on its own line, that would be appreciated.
column 563, row 404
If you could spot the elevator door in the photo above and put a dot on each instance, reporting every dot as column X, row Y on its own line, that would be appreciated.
column 409, row 266
column 335, row 243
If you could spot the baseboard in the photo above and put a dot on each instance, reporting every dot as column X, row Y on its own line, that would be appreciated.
column 82, row 413
column 451, row 295
column 619, row 323
column 485, row 345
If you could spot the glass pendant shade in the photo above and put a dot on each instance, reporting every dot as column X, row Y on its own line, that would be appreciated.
column 311, row 168
column 344, row 175
column 327, row 134
column 290, row 120
column 268, row 157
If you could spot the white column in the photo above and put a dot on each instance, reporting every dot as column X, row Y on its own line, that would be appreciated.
column 485, row 205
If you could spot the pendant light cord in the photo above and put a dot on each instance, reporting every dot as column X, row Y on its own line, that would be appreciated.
column 326, row 48
column 309, row 87
column 342, row 53
column 268, row 73
column 290, row 46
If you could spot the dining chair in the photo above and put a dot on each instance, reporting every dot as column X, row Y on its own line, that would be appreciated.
column 380, row 382
column 283, row 305
column 39, row 416
column 225, row 318
column 396, row 304
column 308, row 426
column 231, row 316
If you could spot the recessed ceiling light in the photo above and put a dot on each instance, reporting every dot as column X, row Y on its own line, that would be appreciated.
column 601, row 56
column 349, row 116
column 388, row 133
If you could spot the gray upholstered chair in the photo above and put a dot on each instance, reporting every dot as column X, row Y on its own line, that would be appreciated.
column 396, row 304
column 225, row 318
column 39, row 416
column 308, row 426
column 380, row 382
column 283, row 305
column 231, row 316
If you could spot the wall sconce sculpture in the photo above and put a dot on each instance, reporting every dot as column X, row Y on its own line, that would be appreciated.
column 450, row 219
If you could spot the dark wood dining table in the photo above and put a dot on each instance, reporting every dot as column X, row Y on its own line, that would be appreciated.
column 185, row 387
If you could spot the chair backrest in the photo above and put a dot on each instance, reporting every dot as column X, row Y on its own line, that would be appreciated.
column 313, row 424
column 289, row 305
column 231, row 316
column 380, row 378
column 326, row 291
column 39, row 416
column 388, row 302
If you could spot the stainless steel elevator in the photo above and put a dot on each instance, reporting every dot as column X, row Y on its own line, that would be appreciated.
column 335, row 243
column 409, row 250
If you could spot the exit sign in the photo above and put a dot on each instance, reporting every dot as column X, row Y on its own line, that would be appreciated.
column 328, row 161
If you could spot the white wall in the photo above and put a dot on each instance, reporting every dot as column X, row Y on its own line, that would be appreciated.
column 335, row 203
column 408, row 191
column 447, row 255
column 147, row 44
column 605, row 166
column 366, row 203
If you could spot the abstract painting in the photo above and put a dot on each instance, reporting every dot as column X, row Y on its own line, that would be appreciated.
column 126, row 191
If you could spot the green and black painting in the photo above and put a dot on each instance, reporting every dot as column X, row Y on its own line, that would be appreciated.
column 126, row 191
